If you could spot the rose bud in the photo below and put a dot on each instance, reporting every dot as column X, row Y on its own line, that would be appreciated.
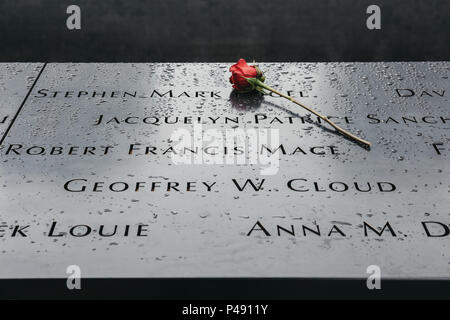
column 240, row 72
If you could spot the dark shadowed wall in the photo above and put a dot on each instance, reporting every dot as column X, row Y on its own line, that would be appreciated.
column 213, row 30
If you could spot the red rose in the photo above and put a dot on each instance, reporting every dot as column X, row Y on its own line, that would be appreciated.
column 239, row 72
column 247, row 78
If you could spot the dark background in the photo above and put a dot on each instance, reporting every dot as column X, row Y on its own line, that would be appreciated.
column 213, row 30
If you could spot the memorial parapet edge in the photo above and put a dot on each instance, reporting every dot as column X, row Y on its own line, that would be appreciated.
column 161, row 170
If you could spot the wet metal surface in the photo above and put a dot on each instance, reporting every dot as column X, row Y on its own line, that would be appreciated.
column 15, row 80
column 191, row 220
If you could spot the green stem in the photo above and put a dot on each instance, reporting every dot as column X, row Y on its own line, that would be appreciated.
column 257, row 82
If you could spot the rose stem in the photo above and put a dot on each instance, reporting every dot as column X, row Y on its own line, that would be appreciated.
column 331, row 123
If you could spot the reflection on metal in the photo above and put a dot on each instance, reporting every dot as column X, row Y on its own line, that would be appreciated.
column 88, row 175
